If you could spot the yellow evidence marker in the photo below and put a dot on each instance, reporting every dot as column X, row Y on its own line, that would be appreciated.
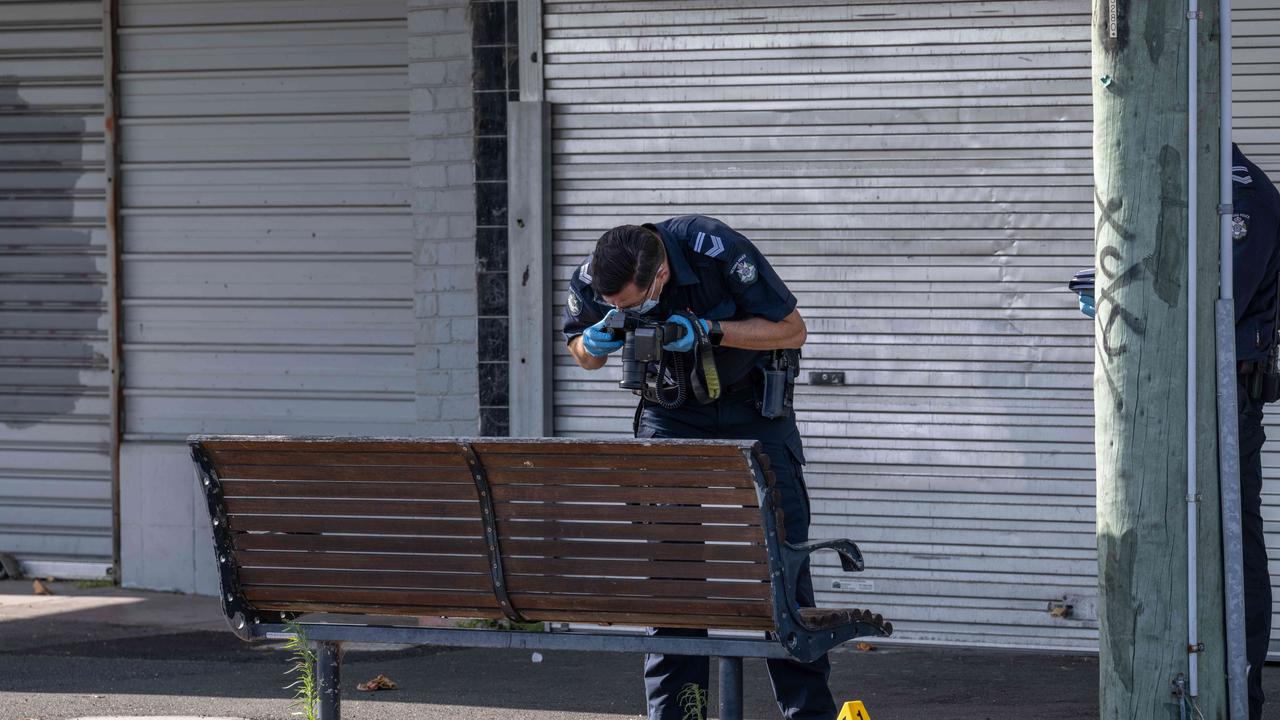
column 854, row 710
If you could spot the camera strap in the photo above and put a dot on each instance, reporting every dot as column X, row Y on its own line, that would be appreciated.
column 706, row 384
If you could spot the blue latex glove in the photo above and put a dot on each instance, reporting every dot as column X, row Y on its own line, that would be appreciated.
column 1086, row 304
column 595, row 339
column 685, row 344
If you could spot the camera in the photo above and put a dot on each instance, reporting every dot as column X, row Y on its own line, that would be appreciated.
column 643, row 339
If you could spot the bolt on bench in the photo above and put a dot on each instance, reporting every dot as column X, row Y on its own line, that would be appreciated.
column 663, row 533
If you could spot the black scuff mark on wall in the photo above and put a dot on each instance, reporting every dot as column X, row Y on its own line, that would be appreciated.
column 52, row 289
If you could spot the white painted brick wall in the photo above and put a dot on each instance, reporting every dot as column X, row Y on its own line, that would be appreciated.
column 443, row 172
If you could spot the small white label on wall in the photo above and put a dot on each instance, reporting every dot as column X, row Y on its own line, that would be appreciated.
column 854, row 585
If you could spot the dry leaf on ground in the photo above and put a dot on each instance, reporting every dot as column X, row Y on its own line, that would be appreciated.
column 40, row 588
column 381, row 682
column 865, row 647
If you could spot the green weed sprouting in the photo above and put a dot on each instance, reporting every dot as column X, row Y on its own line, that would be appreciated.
column 306, row 690
column 693, row 700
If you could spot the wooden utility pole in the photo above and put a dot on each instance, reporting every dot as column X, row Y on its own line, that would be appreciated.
column 1141, row 196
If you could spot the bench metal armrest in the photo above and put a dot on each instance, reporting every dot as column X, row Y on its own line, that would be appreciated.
column 794, row 557
column 850, row 555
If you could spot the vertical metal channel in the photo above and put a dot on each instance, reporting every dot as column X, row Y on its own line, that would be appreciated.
column 529, row 259
column 56, row 451
column 533, row 322
column 111, row 160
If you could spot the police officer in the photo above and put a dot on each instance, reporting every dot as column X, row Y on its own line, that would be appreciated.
column 706, row 272
column 1255, row 230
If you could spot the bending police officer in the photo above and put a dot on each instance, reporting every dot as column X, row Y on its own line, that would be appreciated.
column 1255, row 230
column 697, row 269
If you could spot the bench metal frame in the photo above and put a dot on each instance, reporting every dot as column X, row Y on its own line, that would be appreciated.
column 794, row 639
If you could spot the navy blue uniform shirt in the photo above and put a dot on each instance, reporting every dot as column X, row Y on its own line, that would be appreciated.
column 1255, row 230
column 716, row 273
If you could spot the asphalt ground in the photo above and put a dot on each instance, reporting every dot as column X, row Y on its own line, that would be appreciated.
column 108, row 652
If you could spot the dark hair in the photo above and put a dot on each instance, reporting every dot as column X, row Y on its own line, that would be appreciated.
column 625, row 254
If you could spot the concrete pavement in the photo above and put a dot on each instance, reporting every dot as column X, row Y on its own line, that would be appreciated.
column 109, row 652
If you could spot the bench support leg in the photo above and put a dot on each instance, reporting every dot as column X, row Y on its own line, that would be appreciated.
column 328, row 672
column 730, row 688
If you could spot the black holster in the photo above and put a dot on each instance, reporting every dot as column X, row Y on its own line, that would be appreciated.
column 777, row 391
column 1261, row 380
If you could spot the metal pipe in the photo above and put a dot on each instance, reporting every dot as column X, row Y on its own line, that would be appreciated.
column 1228, row 426
column 1193, row 129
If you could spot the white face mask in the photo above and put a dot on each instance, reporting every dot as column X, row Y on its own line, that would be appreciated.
column 649, row 303
column 647, row 306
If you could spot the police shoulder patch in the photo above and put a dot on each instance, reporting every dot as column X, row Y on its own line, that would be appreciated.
column 1239, row 226
column 745, row 270
column 574, row 303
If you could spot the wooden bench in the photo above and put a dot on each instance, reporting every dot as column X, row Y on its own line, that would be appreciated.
column 663, row 533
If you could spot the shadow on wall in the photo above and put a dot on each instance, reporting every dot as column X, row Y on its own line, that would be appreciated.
column 51, row 283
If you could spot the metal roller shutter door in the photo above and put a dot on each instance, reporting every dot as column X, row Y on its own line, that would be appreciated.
column 55, row 466
column 268, row 272
column 1255, row 62
column 919, row 174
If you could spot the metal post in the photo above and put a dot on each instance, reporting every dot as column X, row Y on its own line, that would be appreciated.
column 730, row 688
column 329, row 674
column 529, row 259
column 111, row 176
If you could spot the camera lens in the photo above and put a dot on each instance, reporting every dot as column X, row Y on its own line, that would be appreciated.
column 632, row 369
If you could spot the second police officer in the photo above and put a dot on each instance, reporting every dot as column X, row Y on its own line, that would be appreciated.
column 688, row 269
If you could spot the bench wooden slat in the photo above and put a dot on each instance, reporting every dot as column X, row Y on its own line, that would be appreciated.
column 347, row 473
column 694, row 589
column 555, row 567
column 364, row 579
column 720, row 466
column 326, row 444
column 461, row 527
column 554, row 529
column 577, row 493
column 625, row 478
column 451, row 460
column 694, row 450
column 349, row 596
column 605, row 550
column 359, row 543
column 530, row 603
column 476, row 565
column 691, row 590
column 351, row 507
column 630, row 513
column 345, row 489
column 375, row 609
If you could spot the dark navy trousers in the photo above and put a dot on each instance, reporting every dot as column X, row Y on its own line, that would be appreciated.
column 800, row 688
column 1257, row 580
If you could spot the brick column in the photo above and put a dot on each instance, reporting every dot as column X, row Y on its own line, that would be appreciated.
column 443, row 167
